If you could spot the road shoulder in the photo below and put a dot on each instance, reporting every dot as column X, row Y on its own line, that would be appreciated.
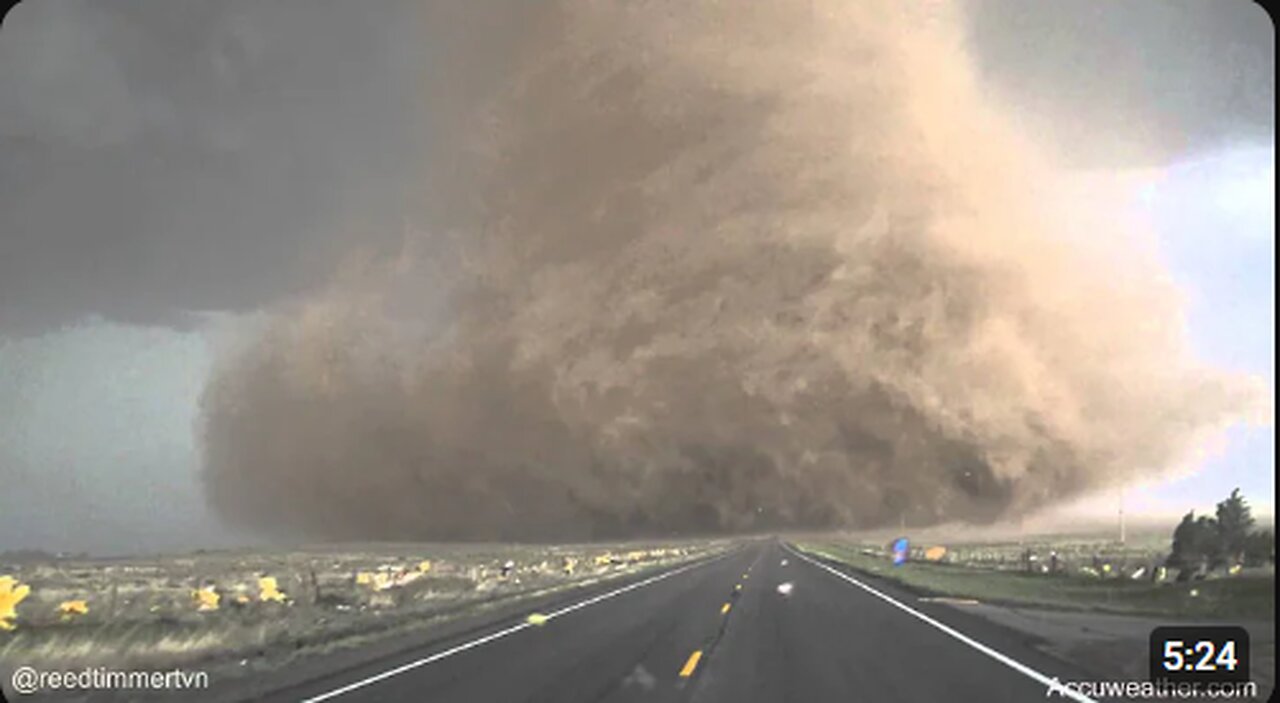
column 1104, row 646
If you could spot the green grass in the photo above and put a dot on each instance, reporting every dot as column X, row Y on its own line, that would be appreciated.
column 1242, row 597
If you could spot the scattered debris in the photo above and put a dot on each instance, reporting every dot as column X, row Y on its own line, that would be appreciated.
column 71, row 608
column 784, row 589
column 901, row 549
column 11, row 594
column 537, row 619
column 206, row 598
column 382, row 580
column 269, row 591
column 949, row 600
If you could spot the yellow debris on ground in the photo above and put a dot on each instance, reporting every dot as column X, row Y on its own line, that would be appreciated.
column 269, row 590
column 379, row 580
column 603, row 559
column 935, row 553
column 11, row 594
column 206, row 598
column 424, row 566
column 71, row 608
column 569, row 565
column 537, row 619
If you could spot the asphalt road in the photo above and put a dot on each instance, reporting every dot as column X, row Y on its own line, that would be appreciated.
column 718, row 631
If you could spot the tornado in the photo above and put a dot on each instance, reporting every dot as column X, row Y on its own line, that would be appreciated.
column 698, row 268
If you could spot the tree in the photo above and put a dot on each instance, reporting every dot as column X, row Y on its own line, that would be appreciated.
column 1185, row 553
column 1197, row 545
column 1180, row 552
column 1234, row 522
column 1259, row 548
column 1228, row 538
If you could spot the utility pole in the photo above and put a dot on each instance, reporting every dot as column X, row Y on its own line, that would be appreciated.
column 1122, row 515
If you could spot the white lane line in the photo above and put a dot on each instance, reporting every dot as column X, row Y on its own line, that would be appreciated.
column 1054, row 684
column 499, row 634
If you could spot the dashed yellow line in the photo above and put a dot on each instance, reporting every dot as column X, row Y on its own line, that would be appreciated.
column 724, row 608
column 691, row 665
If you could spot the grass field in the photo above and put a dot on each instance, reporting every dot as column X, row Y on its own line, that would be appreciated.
column 245, row 605
column 997, row 573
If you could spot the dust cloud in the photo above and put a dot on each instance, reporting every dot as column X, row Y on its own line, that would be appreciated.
column 714, row 267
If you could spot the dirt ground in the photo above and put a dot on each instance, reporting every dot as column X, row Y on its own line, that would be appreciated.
column 1115, row 646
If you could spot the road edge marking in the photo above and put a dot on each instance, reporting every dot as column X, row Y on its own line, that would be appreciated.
column 395, row 671
column 1053, row 683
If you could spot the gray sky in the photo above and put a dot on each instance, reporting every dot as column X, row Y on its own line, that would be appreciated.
column 159, row 157
column 1132, row 82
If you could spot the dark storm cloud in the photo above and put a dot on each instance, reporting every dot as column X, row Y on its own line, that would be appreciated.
column 162, row 156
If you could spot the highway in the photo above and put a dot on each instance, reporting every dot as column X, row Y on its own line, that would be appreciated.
column 717, row 631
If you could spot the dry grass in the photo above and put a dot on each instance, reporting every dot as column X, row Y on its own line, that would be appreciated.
column 146, row 611
column 1001, row 573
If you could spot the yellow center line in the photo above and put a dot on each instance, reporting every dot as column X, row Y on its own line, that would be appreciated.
column 724, row 608
column 691, row 665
